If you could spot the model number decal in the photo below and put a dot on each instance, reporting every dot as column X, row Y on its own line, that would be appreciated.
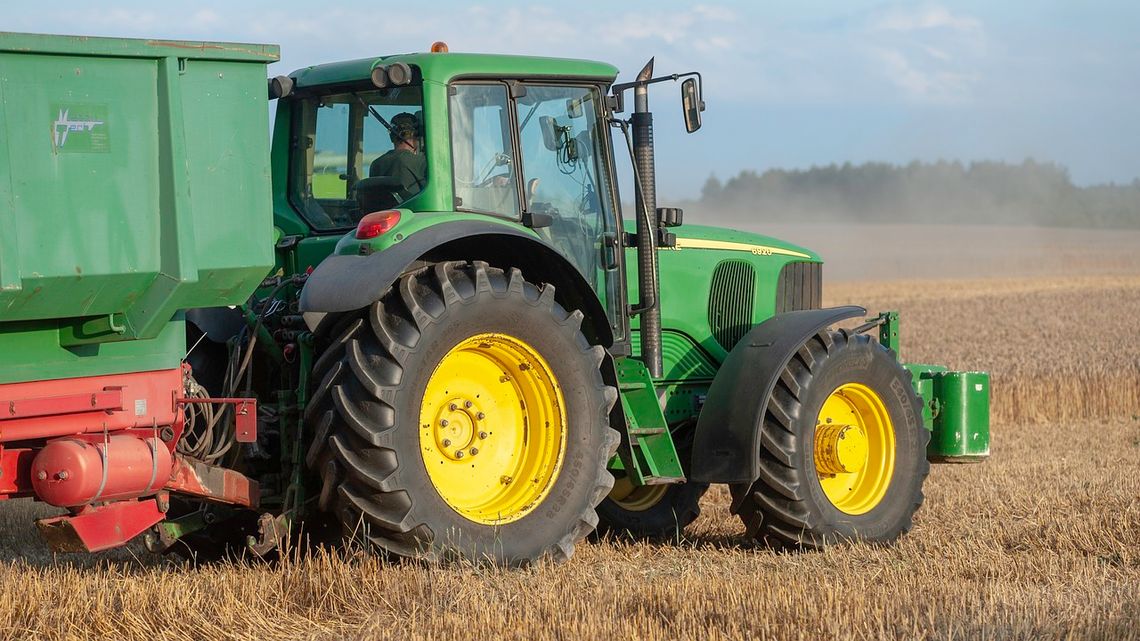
column 758, row 250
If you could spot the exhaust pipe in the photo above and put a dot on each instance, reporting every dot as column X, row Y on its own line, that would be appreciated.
column 646, row 203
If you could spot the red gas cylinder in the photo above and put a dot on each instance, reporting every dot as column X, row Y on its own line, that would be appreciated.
column 70, row 472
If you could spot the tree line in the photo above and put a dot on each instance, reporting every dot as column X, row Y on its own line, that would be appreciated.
column 1033, row 193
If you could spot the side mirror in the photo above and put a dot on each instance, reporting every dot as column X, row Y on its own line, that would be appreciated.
column 692, row 104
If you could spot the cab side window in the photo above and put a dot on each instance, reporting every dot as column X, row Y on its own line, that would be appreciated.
column 330, row 152
column 357, row 152
column 484, row 171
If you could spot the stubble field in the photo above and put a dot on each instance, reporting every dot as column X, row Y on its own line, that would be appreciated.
column 1042, row 541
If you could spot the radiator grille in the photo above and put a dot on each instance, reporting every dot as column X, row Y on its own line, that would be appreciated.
column 800, row 287
column 730, row 301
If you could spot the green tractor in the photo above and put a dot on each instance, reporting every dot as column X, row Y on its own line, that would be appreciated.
column 464, row 349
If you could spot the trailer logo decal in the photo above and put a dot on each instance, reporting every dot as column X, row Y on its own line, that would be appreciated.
column 80, row 129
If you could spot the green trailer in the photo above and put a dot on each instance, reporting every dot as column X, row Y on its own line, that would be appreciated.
column 421, row 319
column 135, row 186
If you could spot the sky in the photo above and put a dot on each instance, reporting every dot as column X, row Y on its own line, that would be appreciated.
column 788, row 84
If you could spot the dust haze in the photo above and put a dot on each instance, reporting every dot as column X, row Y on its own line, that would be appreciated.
column 877, row 221
column 878, row 251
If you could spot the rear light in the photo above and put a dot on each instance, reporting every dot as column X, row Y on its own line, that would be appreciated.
column 376, row 223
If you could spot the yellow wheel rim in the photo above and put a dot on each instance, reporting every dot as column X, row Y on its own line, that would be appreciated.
column 493, row 428
column 854, row 448
column 636, row 498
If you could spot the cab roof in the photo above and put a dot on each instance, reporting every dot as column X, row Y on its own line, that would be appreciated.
column 444, row 67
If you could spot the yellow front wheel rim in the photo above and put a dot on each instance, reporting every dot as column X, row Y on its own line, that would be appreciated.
column 493, row 428
column 854, row 448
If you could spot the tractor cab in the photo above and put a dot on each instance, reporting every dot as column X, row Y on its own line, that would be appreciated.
column 508, row 141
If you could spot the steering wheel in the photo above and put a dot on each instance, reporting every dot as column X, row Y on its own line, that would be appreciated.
column 498, row 180
column 498, row 160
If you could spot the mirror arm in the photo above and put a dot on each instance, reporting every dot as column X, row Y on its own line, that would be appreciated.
column 620, row 88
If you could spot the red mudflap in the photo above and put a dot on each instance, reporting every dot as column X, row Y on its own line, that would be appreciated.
column 100, row 528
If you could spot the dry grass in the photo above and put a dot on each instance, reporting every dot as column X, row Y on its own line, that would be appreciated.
column 1043, row 541
column 1061, row 349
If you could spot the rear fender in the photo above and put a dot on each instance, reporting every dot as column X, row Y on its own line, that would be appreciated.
column 726, row 444
column 346, row 283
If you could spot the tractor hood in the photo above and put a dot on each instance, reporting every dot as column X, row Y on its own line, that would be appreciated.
column 723, row 238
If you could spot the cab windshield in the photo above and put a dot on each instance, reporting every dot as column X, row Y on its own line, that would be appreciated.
column 363, row 152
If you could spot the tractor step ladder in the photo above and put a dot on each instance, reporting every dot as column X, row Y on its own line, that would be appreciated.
column 652, row 456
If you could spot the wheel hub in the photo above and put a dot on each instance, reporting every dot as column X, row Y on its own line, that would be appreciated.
column 840, row 449
column 460, row 428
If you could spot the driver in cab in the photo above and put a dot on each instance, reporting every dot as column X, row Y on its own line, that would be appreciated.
column 405, row 162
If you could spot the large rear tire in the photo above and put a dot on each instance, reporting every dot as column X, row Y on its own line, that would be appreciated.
column 463, row 415
column 843, row 448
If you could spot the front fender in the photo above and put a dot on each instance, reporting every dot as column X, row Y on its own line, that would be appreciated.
column 726, row 444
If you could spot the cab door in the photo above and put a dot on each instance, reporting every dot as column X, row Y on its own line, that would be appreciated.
column 566, row 175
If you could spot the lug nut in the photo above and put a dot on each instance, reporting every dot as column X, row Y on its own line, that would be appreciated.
column 453, row 407
column 458, row 453
column 480, row 416
column 41, row 475
column 63, row 475
column 474, row 451
column 446, row 442
column 467, row 404
column 482, row 435
column 443, row 423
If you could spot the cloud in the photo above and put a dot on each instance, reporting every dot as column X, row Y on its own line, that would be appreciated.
column 712, row 12
column 923, row 18
column 928, row 53
column 921, row 82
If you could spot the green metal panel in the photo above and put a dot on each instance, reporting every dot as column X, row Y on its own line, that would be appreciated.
column 889, row 332
column 31, row 352
column 137, row 48
column 683, row 358
column 683, row 401
column 962, row 417
column 652, row 456
column 921, row 378
column 134, row 183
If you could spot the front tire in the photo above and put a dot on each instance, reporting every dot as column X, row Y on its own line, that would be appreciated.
column 843, row 448
column 464, row 415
